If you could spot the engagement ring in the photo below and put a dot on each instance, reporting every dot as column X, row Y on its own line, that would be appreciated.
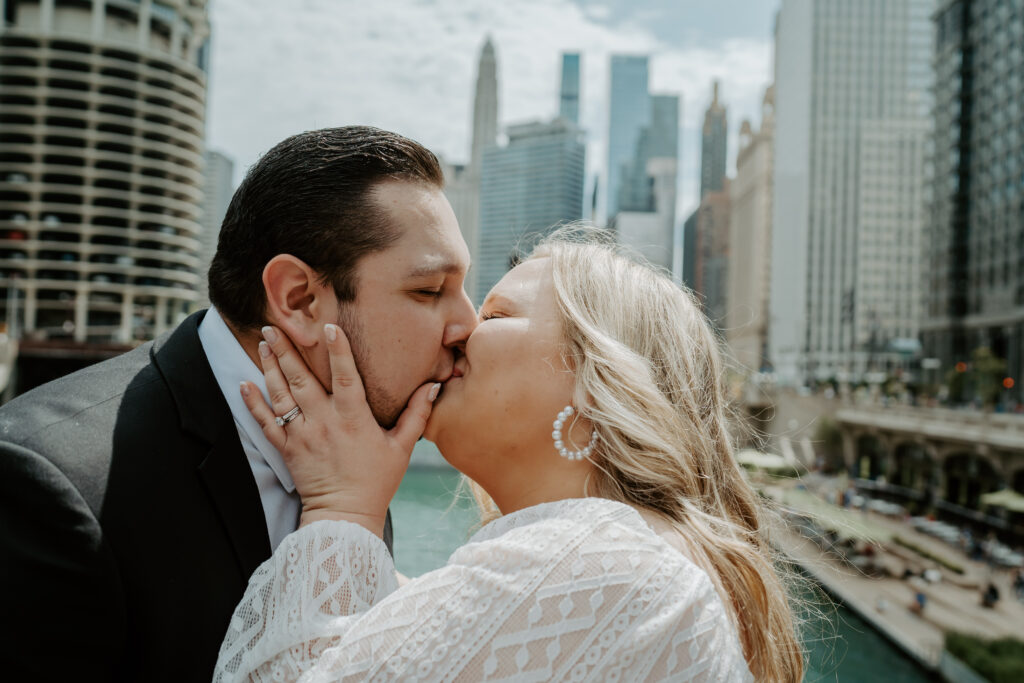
column 287, row 417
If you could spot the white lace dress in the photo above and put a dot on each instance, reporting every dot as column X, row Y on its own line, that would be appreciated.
column 575, row 590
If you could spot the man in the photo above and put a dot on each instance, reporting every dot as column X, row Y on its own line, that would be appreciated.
column 137, row 496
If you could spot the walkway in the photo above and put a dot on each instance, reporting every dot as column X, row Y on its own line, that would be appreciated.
column 953, row 604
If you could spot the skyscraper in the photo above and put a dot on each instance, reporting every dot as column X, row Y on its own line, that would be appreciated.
column 647, row 190
column 462, row 181
column 713, row 145
column 711, row 240
column 852, row 91
column 750, row 227
column 526, row 187
column 485, row 104
column 713, row 246
column 974, row 259
column 630, row 113
column 691, row 246
column 101, row 143
column 218, row 187
column 569, row 93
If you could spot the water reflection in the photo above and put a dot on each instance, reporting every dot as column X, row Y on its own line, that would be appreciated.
column 430, row 522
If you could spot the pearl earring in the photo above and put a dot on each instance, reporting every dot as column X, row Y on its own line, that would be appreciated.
column 559, row 422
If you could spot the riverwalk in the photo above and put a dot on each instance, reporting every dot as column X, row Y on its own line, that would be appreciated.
column 884, row 599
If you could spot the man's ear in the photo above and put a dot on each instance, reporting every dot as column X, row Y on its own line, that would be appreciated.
column 296, row 301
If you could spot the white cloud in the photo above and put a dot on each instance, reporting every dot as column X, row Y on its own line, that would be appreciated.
column 410, row 66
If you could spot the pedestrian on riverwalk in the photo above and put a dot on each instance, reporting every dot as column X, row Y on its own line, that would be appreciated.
column 1018, row 584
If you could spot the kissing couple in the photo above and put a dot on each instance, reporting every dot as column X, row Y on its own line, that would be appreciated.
column 215, row 503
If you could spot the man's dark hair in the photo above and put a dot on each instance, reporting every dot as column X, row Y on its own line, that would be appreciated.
column 309, row 196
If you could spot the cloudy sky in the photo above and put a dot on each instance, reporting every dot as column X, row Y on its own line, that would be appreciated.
column 278, row 67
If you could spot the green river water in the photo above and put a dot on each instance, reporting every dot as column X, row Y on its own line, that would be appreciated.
column 430, row 521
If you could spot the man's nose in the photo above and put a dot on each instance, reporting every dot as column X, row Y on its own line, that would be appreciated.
column 461, row 323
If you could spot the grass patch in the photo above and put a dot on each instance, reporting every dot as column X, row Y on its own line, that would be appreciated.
column 951, row 566
column 999, row 661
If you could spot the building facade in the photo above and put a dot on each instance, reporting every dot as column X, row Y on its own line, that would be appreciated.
column 714, row 137
column 629, row 113
column 647, row 192
column 102, row 108
column 218, row 187
column 852, row 86
column 750, row 228
column 974, row 259
column 526, row 187
column 689, row 255
column 711, row 279
column 569, row 92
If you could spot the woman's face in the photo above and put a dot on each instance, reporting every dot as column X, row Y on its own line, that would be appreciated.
column 496, row 418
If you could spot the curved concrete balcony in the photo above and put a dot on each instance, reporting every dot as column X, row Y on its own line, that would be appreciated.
column 139, row 161
column 143, row 80
column 63, row 256
column 34, row 104
column 91, row 120
column 123, row 94
column 98, row 58
column 91, row 252
column 89, row 174
column 154, row 227
column 25, row 136
column 90, row 196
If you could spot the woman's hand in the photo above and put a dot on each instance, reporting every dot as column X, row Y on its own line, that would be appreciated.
column 345, row 466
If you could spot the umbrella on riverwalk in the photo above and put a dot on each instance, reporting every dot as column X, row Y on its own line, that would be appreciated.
column 1007, row 499
column 769, row 462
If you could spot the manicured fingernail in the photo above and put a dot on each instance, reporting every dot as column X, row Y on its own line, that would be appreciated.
column 434, row 391
column 244, row 386
column 269, row 334
column 331, row 332
column 265, row 349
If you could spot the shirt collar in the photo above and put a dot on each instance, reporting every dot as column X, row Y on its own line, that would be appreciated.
column 231, row 366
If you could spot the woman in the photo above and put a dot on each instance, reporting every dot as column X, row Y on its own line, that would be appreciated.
column 589, row 412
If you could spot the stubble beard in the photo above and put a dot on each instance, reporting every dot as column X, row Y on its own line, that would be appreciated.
column 385, row 408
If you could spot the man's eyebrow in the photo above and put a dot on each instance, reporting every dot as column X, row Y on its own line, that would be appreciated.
column 448, row 268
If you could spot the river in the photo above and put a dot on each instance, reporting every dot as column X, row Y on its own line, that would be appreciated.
column 430, row 521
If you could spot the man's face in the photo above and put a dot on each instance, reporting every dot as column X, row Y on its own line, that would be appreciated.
column 411, row 313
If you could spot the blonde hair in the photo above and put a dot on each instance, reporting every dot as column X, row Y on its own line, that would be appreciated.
column 649, row 376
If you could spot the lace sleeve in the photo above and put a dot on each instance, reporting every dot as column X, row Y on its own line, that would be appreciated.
column 587, row 593
column 302, row 600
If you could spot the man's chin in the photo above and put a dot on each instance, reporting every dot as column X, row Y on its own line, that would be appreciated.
column 386, row 416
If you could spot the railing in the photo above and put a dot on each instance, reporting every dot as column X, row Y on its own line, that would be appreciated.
column 998, row 429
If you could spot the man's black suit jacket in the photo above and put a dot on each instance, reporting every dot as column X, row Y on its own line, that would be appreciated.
column 130, row 521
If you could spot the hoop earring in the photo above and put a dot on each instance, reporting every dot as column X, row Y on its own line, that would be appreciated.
column 559, row 422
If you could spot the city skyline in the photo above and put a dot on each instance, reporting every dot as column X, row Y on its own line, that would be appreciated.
column 424, row 87
column 863, row 234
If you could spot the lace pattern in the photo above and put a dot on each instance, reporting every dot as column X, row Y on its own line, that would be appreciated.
column 574, row 590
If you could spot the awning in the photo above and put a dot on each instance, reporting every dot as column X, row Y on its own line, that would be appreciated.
column 1007, row 499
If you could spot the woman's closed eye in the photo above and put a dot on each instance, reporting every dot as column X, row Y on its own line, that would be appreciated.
column 484, row 317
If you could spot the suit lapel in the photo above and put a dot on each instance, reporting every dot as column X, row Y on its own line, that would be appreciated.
column 228, row 480
column 204, row 413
